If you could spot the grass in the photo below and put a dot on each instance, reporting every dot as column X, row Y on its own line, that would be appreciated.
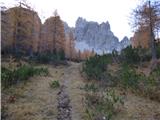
column 138, row 83
column 95, row 67
column 90, row 87
column 55, row 84
column 100, row 104
column 22, row 73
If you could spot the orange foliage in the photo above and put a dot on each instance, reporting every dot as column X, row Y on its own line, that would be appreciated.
column 52, row 35
column 70, row 46
column 141, row 38
column 24, row 30
column 86, row 54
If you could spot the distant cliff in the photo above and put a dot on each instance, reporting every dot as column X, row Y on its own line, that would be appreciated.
column 22, row 31
column 91, row 35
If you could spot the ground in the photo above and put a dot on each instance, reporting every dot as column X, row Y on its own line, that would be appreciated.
column 36, row 100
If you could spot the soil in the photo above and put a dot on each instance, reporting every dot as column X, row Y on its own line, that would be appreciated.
column 36, row 100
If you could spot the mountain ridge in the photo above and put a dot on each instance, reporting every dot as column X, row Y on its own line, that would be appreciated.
column 92, row 35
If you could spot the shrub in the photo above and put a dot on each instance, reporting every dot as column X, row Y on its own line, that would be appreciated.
column 128, row 77
column 22, row 73
column 49, row 57
column 41, row 71
column 4, row 113
column 6, row 77
column 43, row 58
column 147, row 86
column 95, row 66
column 158, row 50
column 55, row 84
column 130, row 55
column 104, row 105
column 156, row 71
column 135, row 55
column 90, row 87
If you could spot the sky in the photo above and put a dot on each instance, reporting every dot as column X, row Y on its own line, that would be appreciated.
column 116, row 12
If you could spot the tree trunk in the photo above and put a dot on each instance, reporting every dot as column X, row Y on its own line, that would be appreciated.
column 152, row 42
column 153, row 49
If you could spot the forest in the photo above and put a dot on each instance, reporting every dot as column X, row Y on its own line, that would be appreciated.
column 44, row 76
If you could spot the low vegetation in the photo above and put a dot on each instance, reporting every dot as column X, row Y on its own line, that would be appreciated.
column 137, row 55
column 49, row 57
column 55, row 84
column 101, row 105
column 139, row 83
column 96, row 66
column 127, row 76
column 22, row 73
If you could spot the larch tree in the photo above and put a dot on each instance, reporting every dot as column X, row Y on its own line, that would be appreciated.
column 52, row 35
column 147, row 15
column 5, row 31
column 20, row 29
column 71, row 45
column 58, row 33
column 22, row 26
column 141, row 38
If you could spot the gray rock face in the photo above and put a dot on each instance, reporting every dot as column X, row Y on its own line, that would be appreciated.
column 91, row 35
column 67, row 29
column 125, row 42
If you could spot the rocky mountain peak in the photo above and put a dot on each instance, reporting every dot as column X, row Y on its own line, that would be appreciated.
column 105, row 26
column 125, row 42
column 91, row 35
column 81, row 22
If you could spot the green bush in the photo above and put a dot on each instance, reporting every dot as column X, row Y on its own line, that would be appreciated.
column 128, row 77
column 95, row 66
column 130, row 55
column 157, row 70
column 6, row 77
column 22, row 73
column 49, row 57
column 158, row 50
column 41, row 71
column 147, row 86
column 104, row 105
column 90, row 87
column 43, row 58
column 55, row 84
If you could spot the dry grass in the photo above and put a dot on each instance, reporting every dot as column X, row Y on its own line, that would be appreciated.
column 35, row 100
column 73, row 80
column 138, row 108
column 26, row 111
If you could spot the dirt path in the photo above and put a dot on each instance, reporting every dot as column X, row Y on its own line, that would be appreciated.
column 73, row 81
column 36, row 100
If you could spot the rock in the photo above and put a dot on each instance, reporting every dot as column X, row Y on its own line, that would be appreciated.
column 91, row 35
column 64, row 108
column 125, row 42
